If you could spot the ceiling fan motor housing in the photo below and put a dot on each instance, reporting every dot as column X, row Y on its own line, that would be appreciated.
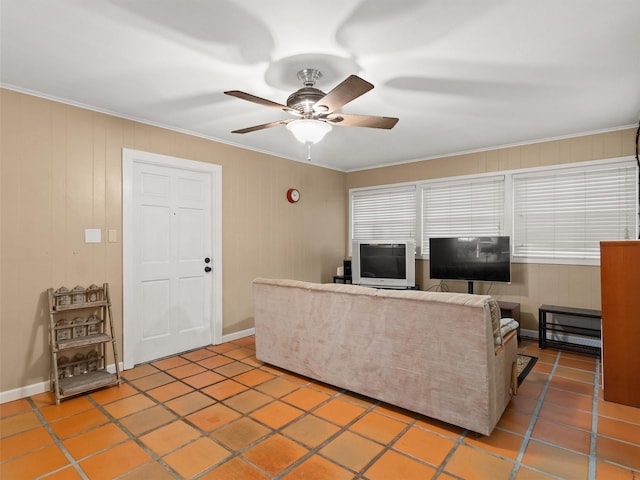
column 304, row 99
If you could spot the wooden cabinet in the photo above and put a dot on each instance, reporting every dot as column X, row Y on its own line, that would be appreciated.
column 620, row 284
column 80, row 331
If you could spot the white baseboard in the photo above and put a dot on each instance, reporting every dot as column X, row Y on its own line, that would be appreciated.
column 41, row 387
column 236, row 335
column 36, row 388
column 22, row 392
column 591, row 342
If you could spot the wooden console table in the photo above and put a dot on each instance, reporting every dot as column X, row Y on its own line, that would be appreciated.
column 545, row 327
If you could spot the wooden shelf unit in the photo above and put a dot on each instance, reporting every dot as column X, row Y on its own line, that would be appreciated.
column 80, row 329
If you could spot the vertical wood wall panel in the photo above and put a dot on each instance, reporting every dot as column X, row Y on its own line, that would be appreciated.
column 62, row 173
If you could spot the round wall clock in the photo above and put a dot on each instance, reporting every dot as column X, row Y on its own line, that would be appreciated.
column 293, row 195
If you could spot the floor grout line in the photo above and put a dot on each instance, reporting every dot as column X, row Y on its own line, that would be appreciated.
column 534, row 419
column 594, row 425
column 131, row 435
column 179, row 417
column 238, row 453
column 368, row 408
column 58, row 442
column 312, row 450
column 450, row 454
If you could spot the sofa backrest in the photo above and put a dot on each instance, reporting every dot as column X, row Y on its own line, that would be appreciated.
column 430, row 352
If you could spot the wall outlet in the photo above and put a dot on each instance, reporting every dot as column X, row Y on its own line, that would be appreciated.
column 92, row 235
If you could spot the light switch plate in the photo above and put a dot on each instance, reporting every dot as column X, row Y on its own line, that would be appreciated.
column 92, row 235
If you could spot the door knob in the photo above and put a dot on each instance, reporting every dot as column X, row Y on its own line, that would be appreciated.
column 207, row 260
column 207, row 269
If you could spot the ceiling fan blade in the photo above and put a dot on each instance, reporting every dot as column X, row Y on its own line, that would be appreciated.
column 260, row 101
column 361, row 121
column 261, row 127
column 348, row 90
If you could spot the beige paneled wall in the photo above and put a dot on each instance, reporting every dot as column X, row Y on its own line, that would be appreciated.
column 61, row 173
column 532, row 284
column 268, row 236
column 577, row 149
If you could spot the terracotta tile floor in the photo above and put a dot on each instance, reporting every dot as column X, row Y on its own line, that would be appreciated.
column 218, row 413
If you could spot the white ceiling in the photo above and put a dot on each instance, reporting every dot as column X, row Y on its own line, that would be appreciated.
column 461, row 75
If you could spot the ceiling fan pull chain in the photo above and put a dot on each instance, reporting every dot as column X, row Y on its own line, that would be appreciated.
column 309, row 151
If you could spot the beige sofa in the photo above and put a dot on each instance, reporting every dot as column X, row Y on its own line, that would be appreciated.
column 438, row 354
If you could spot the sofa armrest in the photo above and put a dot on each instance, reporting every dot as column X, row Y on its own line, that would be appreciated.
column 504, row 359
column 505, row 340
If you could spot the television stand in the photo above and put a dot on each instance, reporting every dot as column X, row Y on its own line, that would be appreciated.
column 379, row 287
column 415, row 287
column 555, row 333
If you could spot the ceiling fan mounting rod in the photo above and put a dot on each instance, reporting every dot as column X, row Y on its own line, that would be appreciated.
column 309, row 76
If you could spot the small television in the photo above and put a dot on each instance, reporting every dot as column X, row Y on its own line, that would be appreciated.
column 387, row 264
column 483, row 259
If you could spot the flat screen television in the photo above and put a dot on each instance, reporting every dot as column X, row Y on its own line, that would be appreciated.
column 483, row 259
column 387, row 264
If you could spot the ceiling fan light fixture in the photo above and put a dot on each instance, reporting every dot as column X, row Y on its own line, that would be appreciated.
column 308, row 131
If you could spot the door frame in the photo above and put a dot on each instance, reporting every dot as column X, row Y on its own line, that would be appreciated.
column 131, row 157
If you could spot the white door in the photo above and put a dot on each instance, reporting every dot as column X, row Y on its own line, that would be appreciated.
column 171, row 256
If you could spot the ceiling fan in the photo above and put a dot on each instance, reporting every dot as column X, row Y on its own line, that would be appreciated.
column 315, row 111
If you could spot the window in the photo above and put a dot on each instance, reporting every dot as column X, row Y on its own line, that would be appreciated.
column 468, row 207
column 383, row 213
column 555, row 214
column 563, row 213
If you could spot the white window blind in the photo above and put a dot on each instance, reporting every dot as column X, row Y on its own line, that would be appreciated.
column 384, row 213
column 472, row 207
column 565, row 213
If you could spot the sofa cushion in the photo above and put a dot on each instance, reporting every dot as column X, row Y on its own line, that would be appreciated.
column 508, row 325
